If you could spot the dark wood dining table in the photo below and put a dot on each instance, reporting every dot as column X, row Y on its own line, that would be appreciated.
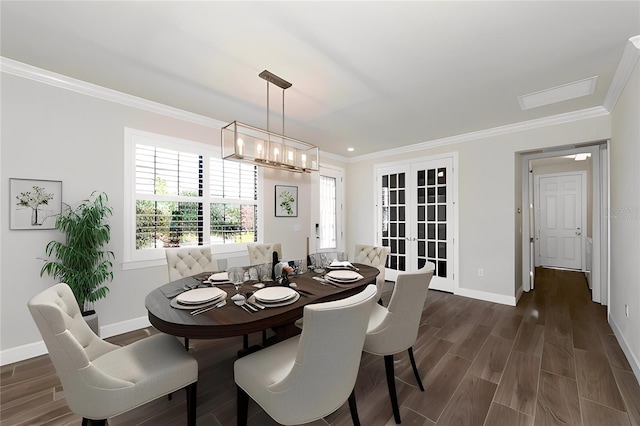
column 232, row 320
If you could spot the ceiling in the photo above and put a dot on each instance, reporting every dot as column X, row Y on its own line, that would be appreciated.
column 367, row 75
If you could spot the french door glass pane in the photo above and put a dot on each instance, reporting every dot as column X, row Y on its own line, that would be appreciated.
column 435, row 187
column 393, row 219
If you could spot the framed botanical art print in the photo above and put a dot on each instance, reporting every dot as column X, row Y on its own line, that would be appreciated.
column 286, row 201
column 35, row 204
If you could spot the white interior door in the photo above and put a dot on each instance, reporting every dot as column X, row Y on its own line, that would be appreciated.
column 416, row 218
column 561, row 217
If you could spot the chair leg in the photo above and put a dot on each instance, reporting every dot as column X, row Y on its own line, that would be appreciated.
column 192, row 395
column 242, row 406
column 354, row 409
column 415, row 368
column 245, row 341
column 89, row 422
column 186, row 344
column 391, row 383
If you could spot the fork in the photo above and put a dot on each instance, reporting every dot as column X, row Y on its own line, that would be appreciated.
column 208, row 308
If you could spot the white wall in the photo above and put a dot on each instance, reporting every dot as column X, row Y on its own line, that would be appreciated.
column 58, row 134
column 625, row 219
column 489, row 184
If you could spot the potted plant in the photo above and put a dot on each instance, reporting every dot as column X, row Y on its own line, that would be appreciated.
column 81, row 261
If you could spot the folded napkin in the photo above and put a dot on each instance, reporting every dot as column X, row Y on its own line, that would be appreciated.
column 341, row 264
column 219, row 276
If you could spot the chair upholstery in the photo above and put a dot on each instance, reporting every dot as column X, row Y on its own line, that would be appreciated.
column 263, row 253
column 100, row 379
column 394, row 329
column 373, row 256
column 309, row 376
column 188, row 261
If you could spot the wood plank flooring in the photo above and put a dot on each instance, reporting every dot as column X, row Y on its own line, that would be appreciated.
column 551, row 360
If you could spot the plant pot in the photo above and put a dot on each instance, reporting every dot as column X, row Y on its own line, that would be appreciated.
column 91, row 318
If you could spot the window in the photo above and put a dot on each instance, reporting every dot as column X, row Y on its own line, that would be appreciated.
column 182, row 193
column 328, row 216
column 330, row 206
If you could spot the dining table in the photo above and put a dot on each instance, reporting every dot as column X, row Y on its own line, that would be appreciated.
column 234, row 320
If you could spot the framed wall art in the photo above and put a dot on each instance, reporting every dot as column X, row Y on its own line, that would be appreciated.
column 35, row 203
column 286, row 201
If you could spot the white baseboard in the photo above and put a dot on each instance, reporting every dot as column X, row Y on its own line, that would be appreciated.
column 633, row 360
column 31, row 350
column 20, row 353
column 124, row 327
column 489, row 297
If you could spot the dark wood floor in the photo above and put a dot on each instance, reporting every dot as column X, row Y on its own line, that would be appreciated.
column 551, row 360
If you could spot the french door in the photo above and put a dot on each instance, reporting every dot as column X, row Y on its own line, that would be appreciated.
column 416, row 218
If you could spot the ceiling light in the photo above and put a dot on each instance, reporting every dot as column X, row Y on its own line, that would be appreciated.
column 558, row 94
column 244, row 143
column 582, row 157
column 350, row 149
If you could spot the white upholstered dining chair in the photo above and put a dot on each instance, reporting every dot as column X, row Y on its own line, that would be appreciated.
column 100, row 379
column 188, row 261
column 309, row 376
column 373, row 256
column 263, row 253
column 394, row 329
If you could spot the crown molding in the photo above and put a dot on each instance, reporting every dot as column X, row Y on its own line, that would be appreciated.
column 625, row 68
column 30, row 72
column 20, row 69
column 496, row 131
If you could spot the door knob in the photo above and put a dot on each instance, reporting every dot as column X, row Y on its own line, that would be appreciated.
column 578, row 232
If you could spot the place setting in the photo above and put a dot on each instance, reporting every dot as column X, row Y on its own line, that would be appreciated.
column 273, row 297
column 342, row 277
column 199, row 299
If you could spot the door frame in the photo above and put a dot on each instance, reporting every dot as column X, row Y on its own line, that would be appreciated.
column 453, row 155
column 600, row 221
column 583, row 213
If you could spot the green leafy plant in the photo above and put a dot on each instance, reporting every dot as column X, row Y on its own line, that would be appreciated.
column 286, row 202
column 81, row 261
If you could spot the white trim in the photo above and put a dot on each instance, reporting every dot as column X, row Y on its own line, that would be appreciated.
column 623, row 72
column 124, row 327
column 20, row 69
column 633, row 361
column 483, row 295
column 496, row 131
column 32, row 350
column 20, row 353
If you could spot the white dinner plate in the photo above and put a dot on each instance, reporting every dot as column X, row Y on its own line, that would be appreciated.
column 343, row 275
column 285, row 302
column 274, row 294
column 174, row 303
column 199, row 296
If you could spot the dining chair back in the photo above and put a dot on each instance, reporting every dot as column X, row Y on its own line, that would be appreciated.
column 309, row 376
column 100, row 379
column 263, row 253
column 394, row 329
column 188, row 261
column 375, row 256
